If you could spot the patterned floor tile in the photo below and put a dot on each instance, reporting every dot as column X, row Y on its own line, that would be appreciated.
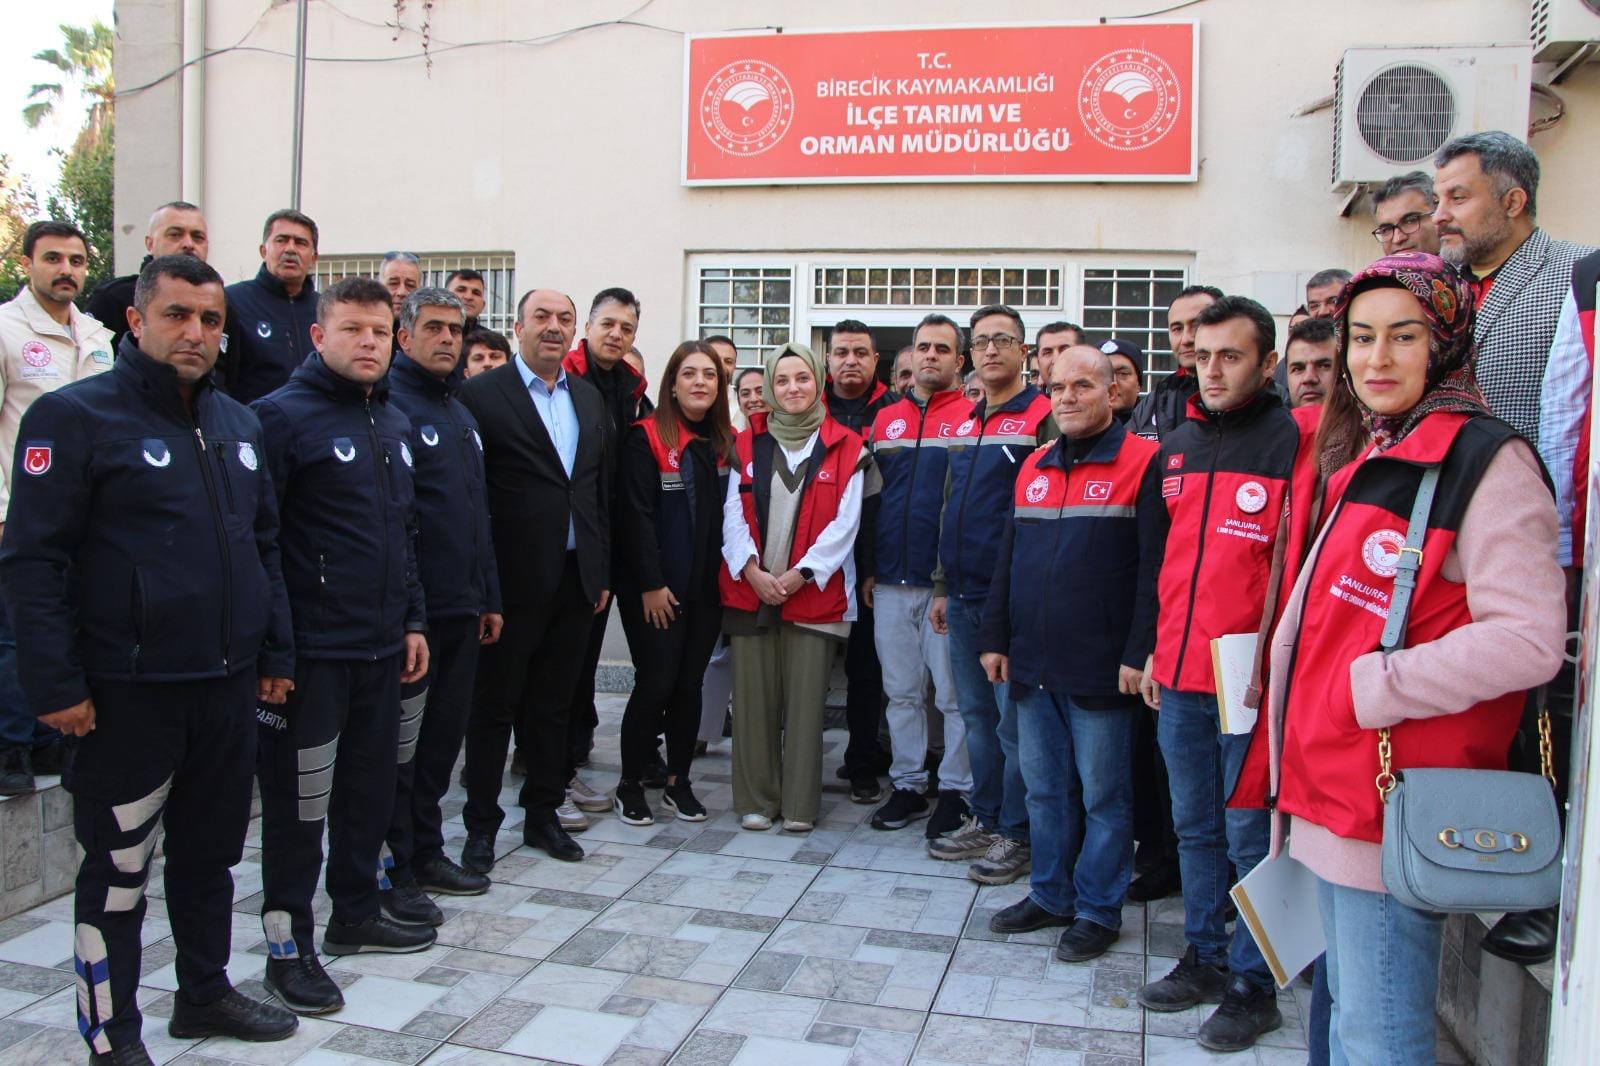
column 1026, row 983
column 748, row 1026
column 852, row 964
column 881, row 900
column 725, row 883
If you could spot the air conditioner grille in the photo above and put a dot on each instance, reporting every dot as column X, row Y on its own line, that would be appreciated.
column 1405, row 113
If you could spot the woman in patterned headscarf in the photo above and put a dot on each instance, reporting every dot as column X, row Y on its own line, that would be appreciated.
column 1485, row 624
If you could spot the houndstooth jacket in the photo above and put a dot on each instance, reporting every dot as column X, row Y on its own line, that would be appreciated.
column 1516, row 324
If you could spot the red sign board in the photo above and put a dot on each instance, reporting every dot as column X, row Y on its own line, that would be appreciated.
column 1060, row 102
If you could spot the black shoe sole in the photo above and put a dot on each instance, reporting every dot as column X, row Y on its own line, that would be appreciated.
column 1213, row 1045
column 333, row 947
column 1049, row 923
column 201, row 1032
column 1083, row 955
column 1174, row 1008
column 422, row 923
column 666, row 801
column 1515, row 957
column 448, row 890
column 311, row 1009
column 884, row 824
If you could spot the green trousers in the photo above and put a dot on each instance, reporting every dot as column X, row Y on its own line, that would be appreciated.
column 780, row 687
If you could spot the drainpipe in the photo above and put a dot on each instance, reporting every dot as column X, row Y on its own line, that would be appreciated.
column 298, row 129
column 192, row 137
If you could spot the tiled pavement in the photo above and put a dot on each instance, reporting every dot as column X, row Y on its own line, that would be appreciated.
column 683, row 943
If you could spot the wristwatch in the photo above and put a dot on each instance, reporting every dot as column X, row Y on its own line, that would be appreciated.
column 807, row 573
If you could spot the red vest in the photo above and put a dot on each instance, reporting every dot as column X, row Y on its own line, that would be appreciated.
column 1329, row 761
column 1224, row 479
column 824, row 486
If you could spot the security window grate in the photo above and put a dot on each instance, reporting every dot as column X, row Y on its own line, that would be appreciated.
column 499, row 270
column 954, row 287
column 1131, row 303
column 751, row 305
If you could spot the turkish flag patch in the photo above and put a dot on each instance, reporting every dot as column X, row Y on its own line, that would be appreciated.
column 1097, row 490
column 1175, row 462
column 36, row 459
column 1171, row 486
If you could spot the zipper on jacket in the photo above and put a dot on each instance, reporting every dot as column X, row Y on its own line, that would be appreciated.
column 1199, row 557
column 468, row 454
column 227, row 485
column 222, row 539
column 381, row 476
column 966, row 492
column 911, row 483
column 138, row 621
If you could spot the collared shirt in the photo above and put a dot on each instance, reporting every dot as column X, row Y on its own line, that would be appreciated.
column 560, row 418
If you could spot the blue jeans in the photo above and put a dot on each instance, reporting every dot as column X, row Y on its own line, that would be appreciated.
column 1202, row 767
column 1321, row 1010
column 18, row 726
column 1383, row 972
column 1076, row 760
column 998, row 799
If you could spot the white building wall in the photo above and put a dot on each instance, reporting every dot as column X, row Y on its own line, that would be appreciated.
column 567, row 153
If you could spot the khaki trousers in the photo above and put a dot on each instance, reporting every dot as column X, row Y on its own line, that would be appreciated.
column 780, row 687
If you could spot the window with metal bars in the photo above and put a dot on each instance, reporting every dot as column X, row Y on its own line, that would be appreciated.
column 499, row 270
column 1131, row 303
column 935, row 286
column 752, row 305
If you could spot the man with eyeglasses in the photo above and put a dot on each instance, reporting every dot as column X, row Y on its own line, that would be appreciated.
column 1403, row 208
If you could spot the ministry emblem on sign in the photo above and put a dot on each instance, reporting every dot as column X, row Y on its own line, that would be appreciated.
column 746, row 107
column 1129, row 99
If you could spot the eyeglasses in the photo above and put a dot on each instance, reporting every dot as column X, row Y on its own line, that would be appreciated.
column 1002, row 342
column 1408, row 224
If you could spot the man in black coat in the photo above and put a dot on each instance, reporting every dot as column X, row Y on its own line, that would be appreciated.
column 268, row 332
column 141, row 566
column 548, row 453
column 176, row 228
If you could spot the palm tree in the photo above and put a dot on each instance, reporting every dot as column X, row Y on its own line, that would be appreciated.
column 84, row 58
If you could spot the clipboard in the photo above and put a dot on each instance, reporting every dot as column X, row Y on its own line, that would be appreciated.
column 1277, row 901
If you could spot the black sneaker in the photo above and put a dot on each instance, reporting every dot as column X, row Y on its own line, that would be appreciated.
column 865, row 787
column 1085, row 941
column 1246, row 1013
column 1024, row 916
column 302, row 985
column 948, row 816
column 16, row 772
column 377, row 934
column 439, row 874
column 1189, row 983
column 134, row 1054
column 406, row 903
column 477, row 854
column 235, row 1015
column 903, row 808
column 680, row 799
column 631, row 805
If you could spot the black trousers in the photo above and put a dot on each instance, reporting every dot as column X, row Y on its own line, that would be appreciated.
column 531, row 670
column 669, row 666
column 1152, row 797
column 864, row 699
column 433, row 723
column 175, row 756
column 327, row 755
column 584, row 716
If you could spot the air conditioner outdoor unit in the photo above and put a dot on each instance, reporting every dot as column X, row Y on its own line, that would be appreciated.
column 1559, row 28
column 1395, row 107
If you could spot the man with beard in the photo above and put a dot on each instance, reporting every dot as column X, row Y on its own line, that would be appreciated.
column 45, row 343
column 1488, row 186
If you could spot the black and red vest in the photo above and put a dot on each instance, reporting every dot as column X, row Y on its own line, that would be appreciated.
column 1329, row 761
column 1224, row 478
column 676, row 534
column 834, row 459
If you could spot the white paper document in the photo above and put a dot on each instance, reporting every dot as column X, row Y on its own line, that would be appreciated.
column 1277, row 901
column 1232, row 659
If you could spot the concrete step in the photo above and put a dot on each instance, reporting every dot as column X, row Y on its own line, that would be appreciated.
column 1497, row 1011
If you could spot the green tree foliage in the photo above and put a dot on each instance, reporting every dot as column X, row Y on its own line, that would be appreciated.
column 83, row 197
column 18, row 207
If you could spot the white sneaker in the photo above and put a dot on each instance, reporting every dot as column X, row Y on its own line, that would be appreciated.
column 755, row 821
column 794, row 825
column 581, row 796
column 571, row 819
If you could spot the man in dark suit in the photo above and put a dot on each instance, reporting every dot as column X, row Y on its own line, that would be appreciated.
column 547, row 452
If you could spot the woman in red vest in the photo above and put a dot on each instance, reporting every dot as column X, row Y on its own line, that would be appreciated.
column 789, row 585
column 669, row 532
column 1485, row 624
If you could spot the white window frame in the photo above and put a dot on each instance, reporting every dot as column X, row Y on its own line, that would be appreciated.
column 498, row 318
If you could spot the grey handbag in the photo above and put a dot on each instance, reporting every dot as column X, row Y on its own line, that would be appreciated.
column 1463, row 840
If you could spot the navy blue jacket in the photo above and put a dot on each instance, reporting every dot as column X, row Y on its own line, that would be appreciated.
column 142, row 543
column 911, row 445
column 269, row 334
column 1088, row 514
column 988, row 450
column 454, row 552
column 341, row 462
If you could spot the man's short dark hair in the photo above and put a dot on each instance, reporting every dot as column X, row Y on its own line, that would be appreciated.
column 1419, row 180
column 851, row 325
column 1059, row 327
column 489, row 339
column 358, row 290
column 50, row 227
column 464, row 274
column 289, row 214
column 1331, row 276
column 719, row 338
column 1231, row 307
column 1510, row 162
column 936, row 319
column 615, row 296
column 182, row 267
column 1310, row 330
column 999, row 309
column 1198, row 290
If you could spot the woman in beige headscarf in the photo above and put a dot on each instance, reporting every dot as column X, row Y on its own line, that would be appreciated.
column 788, row 537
